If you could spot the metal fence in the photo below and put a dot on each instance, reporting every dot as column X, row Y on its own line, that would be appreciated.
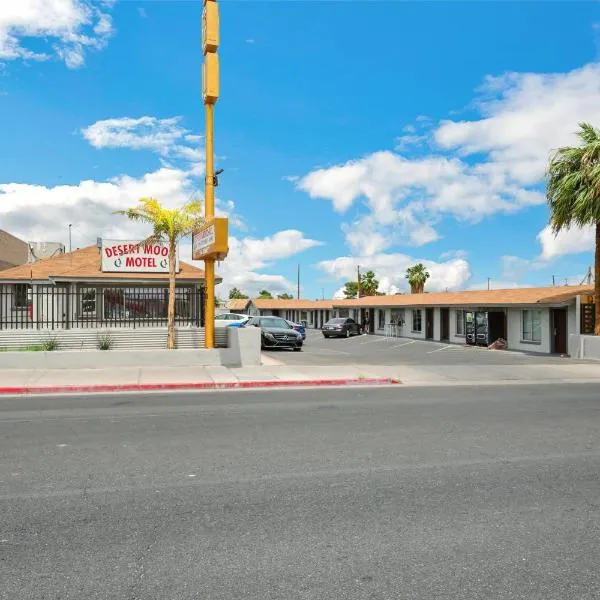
column 55, row 307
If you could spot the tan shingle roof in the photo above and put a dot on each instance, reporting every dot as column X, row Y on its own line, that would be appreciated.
column 85, row 264
column 544, row 295
column 276, row 304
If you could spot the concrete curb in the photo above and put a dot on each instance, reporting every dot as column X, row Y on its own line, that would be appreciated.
column 204, row 385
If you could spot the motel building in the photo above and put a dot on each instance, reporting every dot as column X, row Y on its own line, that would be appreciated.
column 550, row 320
column 545, row 320
column 116, row 285
column 311, row 313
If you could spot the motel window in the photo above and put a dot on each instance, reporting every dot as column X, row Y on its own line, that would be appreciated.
column 416, row 320
column 397, row 317
column 460, row 322
column 381, row 319
column 304, row 316
column 532, row 326
column 87, row 301
column 21, row 295
column 343, row 312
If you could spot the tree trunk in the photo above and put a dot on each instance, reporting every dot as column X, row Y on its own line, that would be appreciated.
column 171, row 310
column 597, row 281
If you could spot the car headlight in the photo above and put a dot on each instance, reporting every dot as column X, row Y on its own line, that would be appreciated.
column 269, row 336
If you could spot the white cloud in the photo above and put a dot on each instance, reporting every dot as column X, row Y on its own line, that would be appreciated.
column 248, row 256
column 493, row 163
column 167, row 137
column 390, row 269
column 568, row 241
column 72, row 27
column 525, row 116
column 40, row 213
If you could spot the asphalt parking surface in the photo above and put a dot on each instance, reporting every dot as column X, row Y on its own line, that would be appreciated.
column 379, row 350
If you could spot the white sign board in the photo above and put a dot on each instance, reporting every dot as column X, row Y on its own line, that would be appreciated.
column 119, row 256
column 203, row 241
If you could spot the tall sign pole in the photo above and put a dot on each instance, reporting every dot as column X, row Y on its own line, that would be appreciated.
column 210, row 94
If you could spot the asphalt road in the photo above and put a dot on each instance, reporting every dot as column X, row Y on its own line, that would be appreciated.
column 378, row 350
column 341, row 494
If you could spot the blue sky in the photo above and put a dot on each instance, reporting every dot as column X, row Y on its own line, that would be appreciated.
column 375, row 133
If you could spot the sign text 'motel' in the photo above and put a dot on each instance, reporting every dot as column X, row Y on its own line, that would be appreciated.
column 135, row 257
column 211, row 240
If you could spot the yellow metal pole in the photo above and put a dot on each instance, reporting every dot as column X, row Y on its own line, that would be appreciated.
column 209, row 213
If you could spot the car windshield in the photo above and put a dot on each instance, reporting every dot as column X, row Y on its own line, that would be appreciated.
column 274, row 322
column 336, row 322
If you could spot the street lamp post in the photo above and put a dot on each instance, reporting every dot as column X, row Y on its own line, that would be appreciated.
column 210, row 94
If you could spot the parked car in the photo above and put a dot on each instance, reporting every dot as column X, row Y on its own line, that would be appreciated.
column 340, row 327
column 301, row 329
column 276, row 333
column 230, row 320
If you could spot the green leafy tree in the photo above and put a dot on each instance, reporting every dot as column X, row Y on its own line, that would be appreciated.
column 235, row 294
column 168, row 225
column 265, row 295
column 573, row 192
column 417, row 275
column 285, row 297
column 350, row 290
column 368, row 284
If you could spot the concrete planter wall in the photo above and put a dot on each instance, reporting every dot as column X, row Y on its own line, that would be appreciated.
column 243, row 350
column 124, row 338
column 585, row 346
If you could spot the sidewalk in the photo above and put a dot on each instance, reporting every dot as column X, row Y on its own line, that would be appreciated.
column 24, row 381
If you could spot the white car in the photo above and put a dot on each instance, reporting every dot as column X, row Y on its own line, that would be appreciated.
column 228, row 319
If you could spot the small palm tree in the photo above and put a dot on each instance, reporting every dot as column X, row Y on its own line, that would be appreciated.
column 417, row 275
column 170, row 225
column 573, row 192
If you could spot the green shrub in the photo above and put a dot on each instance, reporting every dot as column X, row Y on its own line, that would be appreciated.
column 50, row 344
column 105, row 341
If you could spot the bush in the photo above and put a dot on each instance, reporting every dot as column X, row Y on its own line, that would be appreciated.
column 104, row 341
column 50, row 344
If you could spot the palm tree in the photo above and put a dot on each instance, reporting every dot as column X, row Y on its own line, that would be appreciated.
column 170, row 225
column 573, row 192
column 417, row 275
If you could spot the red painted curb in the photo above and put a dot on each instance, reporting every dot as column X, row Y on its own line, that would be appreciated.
column 205, row 385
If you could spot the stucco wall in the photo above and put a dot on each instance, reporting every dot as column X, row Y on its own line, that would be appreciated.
column 572, row 328
column 515, row 336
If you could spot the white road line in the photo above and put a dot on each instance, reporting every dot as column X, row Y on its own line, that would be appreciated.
column 440, row 349
column 380, row 338
column 405, row 344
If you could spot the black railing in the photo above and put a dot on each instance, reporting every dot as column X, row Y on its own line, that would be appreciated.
column 54, row 307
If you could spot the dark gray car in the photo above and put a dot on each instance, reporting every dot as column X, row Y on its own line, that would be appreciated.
column 340, row 327
column 276, row 333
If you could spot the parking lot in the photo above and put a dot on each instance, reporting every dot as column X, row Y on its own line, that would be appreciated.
column 379, row 350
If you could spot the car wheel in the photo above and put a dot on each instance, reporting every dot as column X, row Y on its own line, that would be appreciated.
column 326, row 336
column 347, row 333
column 297, row 349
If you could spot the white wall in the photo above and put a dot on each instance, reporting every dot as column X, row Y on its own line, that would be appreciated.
column 572, row 328
column 437, row 324
column 515, row 336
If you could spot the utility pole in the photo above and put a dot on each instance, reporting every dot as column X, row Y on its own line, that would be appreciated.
column 553, row 282
column 488, row 284
column 358, row 272
column 210, row 93
column 70, row 245
column 298, row 290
